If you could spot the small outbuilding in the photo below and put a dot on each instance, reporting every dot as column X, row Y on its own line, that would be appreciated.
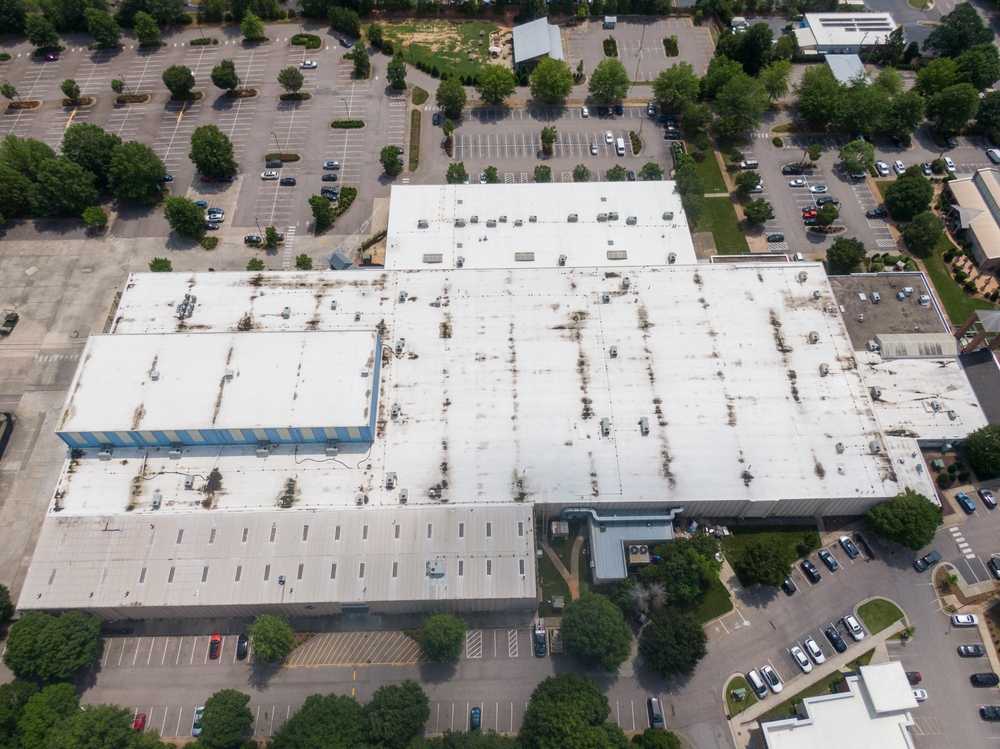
column 535, row 40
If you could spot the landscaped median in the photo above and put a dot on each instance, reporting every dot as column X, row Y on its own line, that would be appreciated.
column 878, row 614
column 739, row 696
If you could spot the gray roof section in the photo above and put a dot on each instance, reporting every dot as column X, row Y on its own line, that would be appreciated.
column 535, row 39
column 846, row 68
column 917, row 345
column 984, row 375
column 990, row 320
column 610, row 533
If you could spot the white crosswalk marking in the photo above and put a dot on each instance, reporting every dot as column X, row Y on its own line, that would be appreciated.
column 289, row 250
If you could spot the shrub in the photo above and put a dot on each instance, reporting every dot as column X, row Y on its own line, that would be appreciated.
column 4, row 56
column 160, row 265
column 347, row 196
column 414, row 161
column 419, row 95
column 203, row 40
column 209, row 243
column 670, row 46
column 347, row 124
column 636, row 141
column 610, row 47
column 309, row 41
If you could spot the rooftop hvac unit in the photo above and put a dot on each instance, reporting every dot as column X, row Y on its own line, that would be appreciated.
column 644, row 426
column 433, row 257
column 876, row 393
column 333, row 304
column 491, row 223
column 518, row 222
column 390, row 480
column 572, row 218
column 524, row 256
column 332, row 449
column 395, row 411
column 286, row 312
column 104, row 453
column 281, row 579
column 404, row 494
column 631, row 220
column 400, row 345
column 263, row 449
column 802, row 276
column 605, row 426
column 157, row 499
column 605, row 298
column 532, row 219
column 617, row 255
column 816, row 294
column 613, row 352
column 503, row 219
column 668, row 216
column 626, row 282
column 813, row 336
column 839, row 448
column 613, row 216
column 422, row 223
column 643, row 549
column 602, row 217
column 435, row 568
column 154, row 374
column 459, row 261
column 634, row 549
column 459, row 222
column 189, row 483
column 671, row 258
column 824, row 369
column 402, row 296
column 874, row 447
column 474, row 219
column 562, row 260
column 174, row 453
column 360, row 499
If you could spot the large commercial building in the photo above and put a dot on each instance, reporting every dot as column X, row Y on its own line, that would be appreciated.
column 843, row 33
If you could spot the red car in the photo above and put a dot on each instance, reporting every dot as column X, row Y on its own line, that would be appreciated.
column 215, row 646
column 139, row 724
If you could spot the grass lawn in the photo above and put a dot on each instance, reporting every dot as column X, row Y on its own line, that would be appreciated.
column 456, row 48
column 734, row 707
column 919, row 4
column 562, row 547
column 418, row 96
column 879, row 614
column 719, row 217
column 552, row 585
column 787, row 708
column 708, row 170
column 785, row 536
column 957, row 303
column 883, row 185
column 716, row 603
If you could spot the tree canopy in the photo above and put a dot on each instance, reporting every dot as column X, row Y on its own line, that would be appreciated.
column 136, row 173
column 686, row 569
column 740, row 106
column 64, row 188
column 988, row 115
column 569, row 712
column 923, row 233
column 327, row 721
column 271, row 635
column 442, row 637
column 909, row 195
column 762, row 562
column 551, row 81
column 46, row 648
column 103, row 27
column 758, row 212
column 609, row 82
column 951, row 108
column 844, row 255
column 212, row 152
column 291, row 79
column 594, row 630
column 983, row 448
column 224, row 76
column 672, row 643
column 91, row 147
column 676, row 87
column 227, row 721
column 184, row 217
column 495, row 83
column 456, row 173
column 958, row 31
column 396, row 714
column 450, row 97
column 909, row 519
column 179, row 80
column 147, row 31
column 858, row 156
column 396, row 72
column 751, row 48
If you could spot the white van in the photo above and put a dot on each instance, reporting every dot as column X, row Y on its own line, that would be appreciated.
column 620, row 145
column 756, row 684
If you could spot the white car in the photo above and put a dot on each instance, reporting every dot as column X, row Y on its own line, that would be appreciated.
column 309, row 65
column 964, row 620
column 196, row 723
column 852, row 626
column 584, row 112
column 800, row 658
column 949, row 164
column 814, row 650
column 993, row 154
column 771, row 678
column 609, row 137
column 269, row 174
column 797, row 182
column 593, row 149
column 920, row 695
column 898, row 166
column 817, row 189
column 882, row 168
column 482, row 178
column 759, row 187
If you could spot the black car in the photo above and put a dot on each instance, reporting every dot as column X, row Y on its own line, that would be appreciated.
column 835, row 639
column 987, row 497
column 877, row 212
column 253, row 239
column 538, row 642
column 971, row 651
column 788, row 586
column 603, row 111
column 824, row 199
column 330, row 193
column 776, row 237
column 989, row 712
column 793, row 169
column 994, row 565
column 810, row 570
column 619, row 110
column 828, row 559
column 168, row 178
column 849, row 548
column 242, row 647
column 926, row 561
column 287, row 182
column 6, row 429
column 329, row 177
column 436, row 119
column 631, row 175
column 987, row 679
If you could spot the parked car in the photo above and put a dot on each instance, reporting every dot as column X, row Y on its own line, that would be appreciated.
column 475, row 718
column 854, row 627
column 835, row 639
column 329, row 178
column 168, row 178
column 215, row 212
column 949, row 164
column 309, row 65
column 630, row 175
column 253, row 239
column 482, row 178
column 882, row 168
column 539, row 640
column 914, row 677
column 213, row 225
column 655, row 711
column 877, row 212
column 814, row 650
column 920, row 695
column 989, row 712
column 824, row 199
column 994, row 565
column 797, row 182
column 788, row 586
column 971, row 651
column 829, row 560
column 651, row 109
column 214, row 646
column 329, row 164
column 817, row 189
column 436, row 119
column 201, row 203
column 269, row 174
column 966, row 502
column 993, row 154
column 849, row 548
column 926, row 169
column 196, row 721
column 242, row 647
column 584, row 112
column 609, row 137
column 988, row 499
column 771, row 677
column 593, row 149
column 898, row 166
column 749, row 164
column 619, row 110
column 287, row 182
column 810, row 571
column 6, row 429
column 986, row 679
column 776, row 237
column 964, row 620
column 926, row 561
column 800, row 658
column 139, row 723
column 330, row 193
column 51, row 56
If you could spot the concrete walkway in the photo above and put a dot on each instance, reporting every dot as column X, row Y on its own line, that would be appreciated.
column 571, row 582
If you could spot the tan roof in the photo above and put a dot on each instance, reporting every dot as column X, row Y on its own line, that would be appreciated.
column 978, row 201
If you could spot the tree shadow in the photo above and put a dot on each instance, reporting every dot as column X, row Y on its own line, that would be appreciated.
column 260, row 674
column 437, row 673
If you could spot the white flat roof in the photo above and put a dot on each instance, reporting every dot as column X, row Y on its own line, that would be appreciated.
column 850, row 29
column 224, row 559
column 506, row 379
column 222, row 380
column 888, row 687
column 845, row 719
column 585, row 242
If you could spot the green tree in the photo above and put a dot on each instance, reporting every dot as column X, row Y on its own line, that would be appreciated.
column 396, row 72
column 450, row 98
column 12, row 14
column 95, row 727
column 272, row 636
column 303, row 262
column 543, row 173
column 224, row 76
column 94, row 218
column 227, row 721
column 983, row 448
column 581, row 173
column 923, row 234
column 103, row 27
column 958, row 31
column 14, row 695
column 988, row 116
column 739, row 106
column 271, row 238
column 179, row 80
column 820, row 97
column 256, row 264
column 362, row 62
column 391, row 163
column 758, row 212
column 594, row 630
column 746, row 183
column 8, row 91
column 720, row 71
column 184, row 217
column 609, row 82
column 6, row 606
column 696, row 117
column 937, row 75
column 327, row 721
column 857, row 157
column 16, row 193
column 683, row 570
column 651, row 172
column 147, row 31
column 676, row 87
column 64, row 188
column 548, row 139
column 652, row 738
column 376, row 35
column 345, row 20
column 951, row 108
column 844, row 256
column 44, row 648
column 569, row 712
column 492, row 176
column 862, row 109
column 396, row 714
column 212, row 152
column 909, row 195
column 252, row 28
column 117, row 85
column 456, row 174
column 909, row 519
column 40, row 31
column 26, row 155
column 672, row 643
column 136, row 173
column 160, row 265
column 70, row 90
column 291, row 79
column 551, row 81
column 904, row 115
column 762, row 562
column 43, row 714
column 827, row 214
column 774, row 79
column 889, row 81
column 322, row 213
column 980, row 66
column 751, row 48
column 495, row 83
column 441, row 637
column 616, row 173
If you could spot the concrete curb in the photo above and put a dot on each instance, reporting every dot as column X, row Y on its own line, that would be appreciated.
column 862, row 602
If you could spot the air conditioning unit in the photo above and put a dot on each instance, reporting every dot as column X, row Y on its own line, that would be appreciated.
column 613, row 216
column 490, row 223
column 459, row 261
column 174, row 453
column 474, row 220
column 503, row 219
column 422, row 224
column 572, row 218
column 518, row 222
column 390, row 480
column 602, row 217
column 613, row 352
column 404, row 494
column 668, row 216
column 605, row 427
column 671, row 258
column 460, row 222
column 644, row 426
column 532, row 219
column 631, row 220
column 104, row 453
column 562, row 261
column 263, row 450
column 332, row 449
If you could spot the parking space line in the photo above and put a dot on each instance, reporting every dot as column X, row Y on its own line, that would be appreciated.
column 180, row 714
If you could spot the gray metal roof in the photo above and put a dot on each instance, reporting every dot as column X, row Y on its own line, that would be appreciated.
column 846, row 68
column 609, row 535
column 917, row 345
column 535, row 39
column 990, row 320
